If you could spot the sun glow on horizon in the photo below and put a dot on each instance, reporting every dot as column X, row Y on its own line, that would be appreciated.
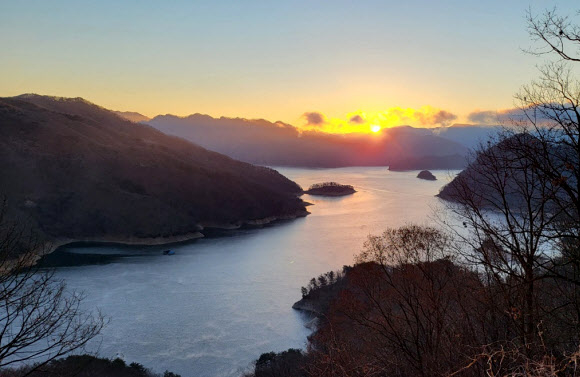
column 362, row 122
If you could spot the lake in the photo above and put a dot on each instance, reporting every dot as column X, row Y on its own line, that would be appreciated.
column 218, row 303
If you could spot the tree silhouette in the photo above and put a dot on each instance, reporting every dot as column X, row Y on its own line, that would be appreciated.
column 40, row 320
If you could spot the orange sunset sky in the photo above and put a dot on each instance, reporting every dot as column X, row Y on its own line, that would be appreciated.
column 338, row 66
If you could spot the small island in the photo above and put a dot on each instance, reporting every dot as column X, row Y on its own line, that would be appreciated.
column 330, row 189
column 426, row 174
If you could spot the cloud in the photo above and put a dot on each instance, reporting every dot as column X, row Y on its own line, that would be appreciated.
column 424, row 116
column 356, row 119
column 484, row 117
column 443, row 118
column 363, row 122
column 429, row 117
column 314, row 118
column 516, row 115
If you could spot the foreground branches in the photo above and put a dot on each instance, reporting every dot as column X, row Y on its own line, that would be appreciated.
column 39, row 319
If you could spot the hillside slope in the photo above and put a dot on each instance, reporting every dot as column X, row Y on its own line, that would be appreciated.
column 73, row 170
column 132, row 116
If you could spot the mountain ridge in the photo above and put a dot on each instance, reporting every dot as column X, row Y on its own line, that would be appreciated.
column 77, row 171
column 281, row 144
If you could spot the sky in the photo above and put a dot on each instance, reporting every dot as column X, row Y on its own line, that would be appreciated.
column 300, row 62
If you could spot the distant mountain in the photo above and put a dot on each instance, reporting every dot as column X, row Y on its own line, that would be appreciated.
column 75, row 171
column 280, row 144
column 453, row 162
column 468, row 135
column 132, row 116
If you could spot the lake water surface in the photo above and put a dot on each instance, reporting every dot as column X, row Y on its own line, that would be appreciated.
column 220, row 302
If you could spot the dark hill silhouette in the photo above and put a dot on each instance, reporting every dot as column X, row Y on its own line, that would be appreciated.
column 474, row 179
column 518, row 185
column 426, row 175
column 74, row 170
column 281, row 144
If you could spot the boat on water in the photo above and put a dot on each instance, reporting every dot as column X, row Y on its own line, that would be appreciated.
column 168, row 252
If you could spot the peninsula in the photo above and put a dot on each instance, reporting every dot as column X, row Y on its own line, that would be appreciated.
column 74, row 171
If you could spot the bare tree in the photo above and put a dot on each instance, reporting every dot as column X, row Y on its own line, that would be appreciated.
column 40, row 320
column 507, row 360
column 518, row 200
column 407, row 310
column 551, row 106
column 504, row 203
column 556, row 34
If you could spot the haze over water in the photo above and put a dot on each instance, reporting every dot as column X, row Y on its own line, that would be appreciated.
column 220, row 302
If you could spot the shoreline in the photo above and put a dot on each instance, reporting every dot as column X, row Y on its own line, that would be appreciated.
column 307, row 306
column 333, row 194
column 51, row 246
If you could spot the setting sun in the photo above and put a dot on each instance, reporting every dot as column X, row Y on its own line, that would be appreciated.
column 375, row 128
